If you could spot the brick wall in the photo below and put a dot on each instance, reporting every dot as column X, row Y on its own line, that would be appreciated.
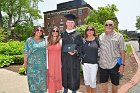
column 58, row 16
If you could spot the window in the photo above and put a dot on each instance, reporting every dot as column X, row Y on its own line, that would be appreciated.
column 80, row 12
column 79, row 22
column 53, row 23
column 62, row 24
column 49, row 27
column 48, row 16
column 61, row 28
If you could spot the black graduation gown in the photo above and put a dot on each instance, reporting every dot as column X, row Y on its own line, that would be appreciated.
column 71, row 63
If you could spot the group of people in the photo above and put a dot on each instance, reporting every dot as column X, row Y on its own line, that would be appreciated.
column 53, row 62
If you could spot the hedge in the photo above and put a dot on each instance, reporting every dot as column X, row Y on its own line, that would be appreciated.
column 11, row 52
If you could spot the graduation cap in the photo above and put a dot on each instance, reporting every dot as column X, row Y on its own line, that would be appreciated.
column 71, row 17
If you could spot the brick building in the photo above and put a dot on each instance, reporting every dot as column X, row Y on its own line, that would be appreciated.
column 56, row 17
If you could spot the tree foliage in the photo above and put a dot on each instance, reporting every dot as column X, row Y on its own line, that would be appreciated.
column 22, row 31
column 98, row 27
column 138, row 22
column 16, row 16
column 102, row 14
column 19, row 10
column 2, row 35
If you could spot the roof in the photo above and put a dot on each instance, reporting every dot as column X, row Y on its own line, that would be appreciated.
column 75, row 7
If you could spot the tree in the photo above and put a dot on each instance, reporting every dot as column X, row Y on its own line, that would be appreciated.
column 19, row 10
column 0, row 19
column 22, row 31
column 98, row 27
column 102, row 14
column 1, row 13
column 2, row 35
column 18, row 14
column 138, row 22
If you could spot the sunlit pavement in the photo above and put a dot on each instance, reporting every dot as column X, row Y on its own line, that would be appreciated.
column 135, row 88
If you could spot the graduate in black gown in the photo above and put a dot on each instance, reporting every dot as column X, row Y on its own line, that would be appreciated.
column 71, row 58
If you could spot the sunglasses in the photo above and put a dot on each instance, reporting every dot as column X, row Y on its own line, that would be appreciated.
column 38, row 30
column 55, row 31
column 108, row 24
column 89, row 30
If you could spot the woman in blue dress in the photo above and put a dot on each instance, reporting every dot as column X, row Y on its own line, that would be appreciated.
column 35, row 61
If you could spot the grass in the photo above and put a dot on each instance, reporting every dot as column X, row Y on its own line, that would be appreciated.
column 128, row 49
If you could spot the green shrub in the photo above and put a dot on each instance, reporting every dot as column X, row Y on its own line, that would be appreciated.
column 11, row 52
column 6, row 60
column 18, row 59
column 11, row 48
column 124, row 35
column 22, row 70
column 128, row 49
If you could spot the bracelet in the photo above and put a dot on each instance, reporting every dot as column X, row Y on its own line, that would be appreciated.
column 123, row 64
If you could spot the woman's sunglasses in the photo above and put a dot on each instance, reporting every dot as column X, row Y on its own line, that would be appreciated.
column 89, row 30
column 55, row 31
column 108, row 25
column 39, row 30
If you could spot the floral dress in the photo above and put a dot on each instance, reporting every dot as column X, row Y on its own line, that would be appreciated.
column 36, row 69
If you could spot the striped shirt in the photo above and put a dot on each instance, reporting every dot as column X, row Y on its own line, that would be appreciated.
column 110, row 46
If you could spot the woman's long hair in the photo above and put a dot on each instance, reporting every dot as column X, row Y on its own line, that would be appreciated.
column 50, row 37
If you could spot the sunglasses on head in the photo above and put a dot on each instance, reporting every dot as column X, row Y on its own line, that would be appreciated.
column 55, row 31
column 89, row 30
column 108, row 24
column 39, row 30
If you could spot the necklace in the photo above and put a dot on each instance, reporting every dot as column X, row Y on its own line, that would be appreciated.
column 89, row 44
column 90, row 39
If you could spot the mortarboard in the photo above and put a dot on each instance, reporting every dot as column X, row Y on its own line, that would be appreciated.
column 70, row 17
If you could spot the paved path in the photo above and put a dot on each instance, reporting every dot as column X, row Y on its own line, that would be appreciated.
column 11, row 82
column 135, row 88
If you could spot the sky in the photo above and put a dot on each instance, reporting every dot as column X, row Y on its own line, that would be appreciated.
column 128, row 10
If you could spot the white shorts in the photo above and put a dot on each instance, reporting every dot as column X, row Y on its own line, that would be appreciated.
column 90, row 74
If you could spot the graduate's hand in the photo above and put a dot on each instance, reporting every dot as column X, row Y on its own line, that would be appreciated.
column 71, row 53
